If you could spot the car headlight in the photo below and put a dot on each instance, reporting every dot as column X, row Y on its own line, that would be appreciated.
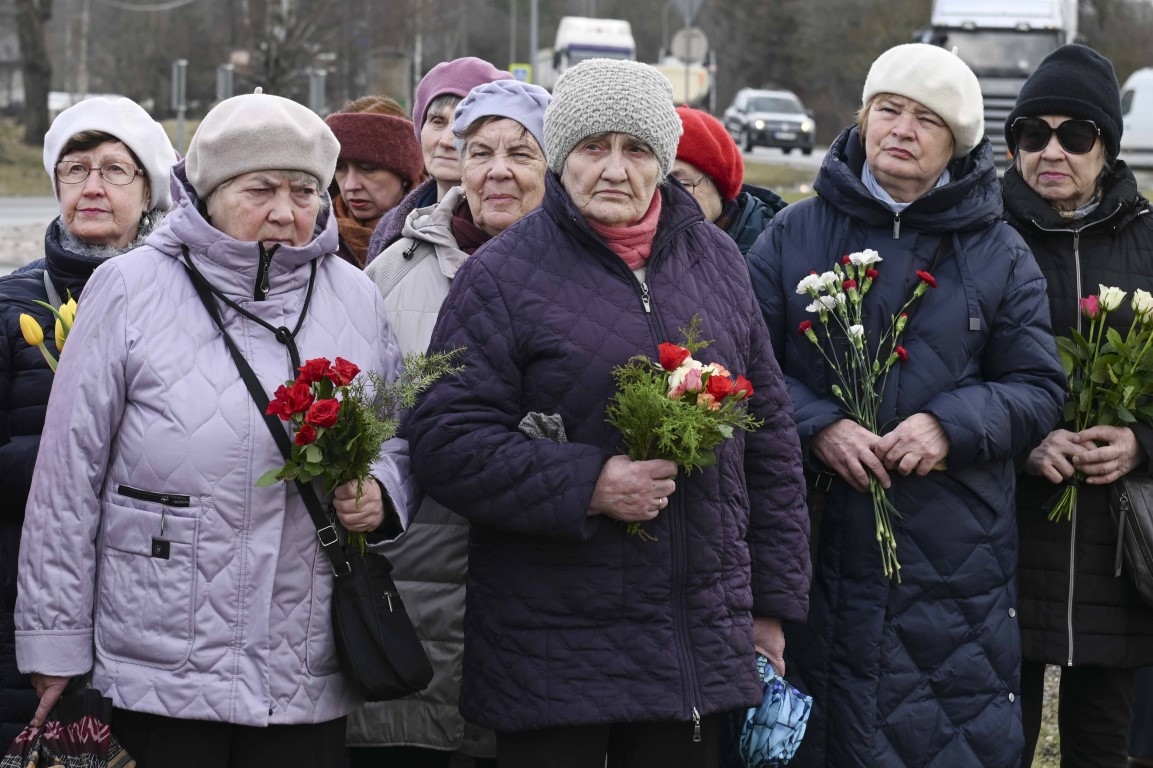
column 759, row 124
column 807, row 126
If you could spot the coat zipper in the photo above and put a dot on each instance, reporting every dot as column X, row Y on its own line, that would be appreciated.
column 896, row 226
column 167, row 499
column 262, row 282
column 645, row 299
column 1073, row 519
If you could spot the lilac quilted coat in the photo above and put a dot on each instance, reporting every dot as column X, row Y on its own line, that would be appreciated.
column 569, row 619
column 151, row 436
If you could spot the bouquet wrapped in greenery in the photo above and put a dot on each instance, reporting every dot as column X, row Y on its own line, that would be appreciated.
column 858, row 366
column 1110, row 377
column 678, row 408
column 342, row 416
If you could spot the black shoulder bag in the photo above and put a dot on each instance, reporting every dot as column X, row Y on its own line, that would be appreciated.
column 1131, row 507
column 380, row 653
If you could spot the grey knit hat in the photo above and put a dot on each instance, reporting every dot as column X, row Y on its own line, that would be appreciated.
column 259, row 132
column 612, row 96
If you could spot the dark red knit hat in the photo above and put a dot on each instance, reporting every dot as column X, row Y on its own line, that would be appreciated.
column 382, row 140
column 707, row 145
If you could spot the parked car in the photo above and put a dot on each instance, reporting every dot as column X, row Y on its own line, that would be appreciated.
column 760, row 118
column 1137, row 114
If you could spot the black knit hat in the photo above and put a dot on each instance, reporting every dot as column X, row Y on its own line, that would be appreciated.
column 1076, row 81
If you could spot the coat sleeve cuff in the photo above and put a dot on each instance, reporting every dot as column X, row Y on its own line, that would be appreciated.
column 56, row 653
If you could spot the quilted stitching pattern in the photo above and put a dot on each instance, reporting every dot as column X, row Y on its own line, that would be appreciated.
column 921, row 673
column 570, row 620
column 176, row 418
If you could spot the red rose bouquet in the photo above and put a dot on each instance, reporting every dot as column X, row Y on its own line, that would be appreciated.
column 341, row 417
column 678, row 408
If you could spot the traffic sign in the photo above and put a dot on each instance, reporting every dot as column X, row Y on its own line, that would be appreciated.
column 522, row 72
column 690, row 9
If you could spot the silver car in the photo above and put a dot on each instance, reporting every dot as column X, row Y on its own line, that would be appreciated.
column 760, row 118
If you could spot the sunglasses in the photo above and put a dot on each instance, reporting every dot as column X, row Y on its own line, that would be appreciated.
column 1076, row 137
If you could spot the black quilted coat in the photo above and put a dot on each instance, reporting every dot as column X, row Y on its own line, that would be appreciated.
column 570, row 620
column 25, row 381
column 1074, row 608
column 924, row 672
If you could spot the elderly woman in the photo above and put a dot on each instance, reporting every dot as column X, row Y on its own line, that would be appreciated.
column 709, row 165
column 379, row 163
column 1081, row 213
column 434, row 102
column 108, row 161
column 923, row 667
column 500, row 131
column 198, row 601
column 582, row 640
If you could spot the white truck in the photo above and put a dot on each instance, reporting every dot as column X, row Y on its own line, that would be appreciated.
column 1002, row 41
column 579, row 38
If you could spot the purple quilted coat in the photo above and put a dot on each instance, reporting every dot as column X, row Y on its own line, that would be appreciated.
column 570, row 620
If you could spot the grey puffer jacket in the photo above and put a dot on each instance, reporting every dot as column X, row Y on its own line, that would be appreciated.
column 149, row 556
column 414, row 275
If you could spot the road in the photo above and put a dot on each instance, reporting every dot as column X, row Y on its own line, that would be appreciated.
column 22, row 224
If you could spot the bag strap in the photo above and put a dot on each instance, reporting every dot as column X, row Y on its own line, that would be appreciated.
column 325, row 531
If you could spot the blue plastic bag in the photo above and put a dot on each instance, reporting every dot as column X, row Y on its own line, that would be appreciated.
column 773, row 731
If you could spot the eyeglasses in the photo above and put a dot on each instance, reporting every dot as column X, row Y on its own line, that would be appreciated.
column 119, row 174
column 1076, row 137
column 688, row 184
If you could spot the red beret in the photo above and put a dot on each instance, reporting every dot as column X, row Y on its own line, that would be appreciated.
column 382, row 140
column 707, row 145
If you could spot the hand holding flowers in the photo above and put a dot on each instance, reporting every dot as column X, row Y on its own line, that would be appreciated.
column 1110, row 385
column 860, row 368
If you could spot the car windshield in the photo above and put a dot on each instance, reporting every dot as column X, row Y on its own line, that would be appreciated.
column 785, row 104
column 993, row 53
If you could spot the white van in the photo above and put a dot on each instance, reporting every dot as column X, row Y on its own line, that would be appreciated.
column 1137, row 114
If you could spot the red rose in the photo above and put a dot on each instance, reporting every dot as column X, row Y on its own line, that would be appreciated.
column 871, row 274
column 805, row 326
column 306, row 435
column 342, row 372
column 719, row 387
column 901, row 353
column 290, row 399
column 672, row 356
column 742, row 388
column 1090, row 307
column 313, row 370
column 849, row 285
column 323, row 413
column 926, row 278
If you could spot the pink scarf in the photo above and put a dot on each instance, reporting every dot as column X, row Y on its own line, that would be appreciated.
column 633, row 242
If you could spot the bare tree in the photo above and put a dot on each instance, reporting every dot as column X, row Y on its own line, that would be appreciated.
column 36, row 68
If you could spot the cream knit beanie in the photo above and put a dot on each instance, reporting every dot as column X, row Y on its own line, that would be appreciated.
column 128, row 122
column 259, row 132
column 612, row 96
column 939, row 80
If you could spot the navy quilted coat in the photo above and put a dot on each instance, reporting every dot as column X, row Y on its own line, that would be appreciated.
column 925, row 672
column 569, row 620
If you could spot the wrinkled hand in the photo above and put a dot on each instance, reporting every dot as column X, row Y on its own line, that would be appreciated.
column 918, row 444
column 365, row 516
column 1112, row 452
column 1052, row 459
column 633, row 491
column 48, row 688
column 769, row 640
column 847, row 448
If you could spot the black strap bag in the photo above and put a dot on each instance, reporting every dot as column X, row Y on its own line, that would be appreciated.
column 1131, row 506
column 379, row 651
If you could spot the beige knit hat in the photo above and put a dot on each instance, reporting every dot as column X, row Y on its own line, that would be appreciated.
column 612, row 96
column 939, row 80
column 259, row 132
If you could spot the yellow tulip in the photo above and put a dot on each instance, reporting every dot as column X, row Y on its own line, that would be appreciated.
column 33, row 333
column 61, row 335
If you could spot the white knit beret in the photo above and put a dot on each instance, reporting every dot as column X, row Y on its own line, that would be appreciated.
column 612, row 96
column 128, row 122
column 939, row 80
column 259, row 132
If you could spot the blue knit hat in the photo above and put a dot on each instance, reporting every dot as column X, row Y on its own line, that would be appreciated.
column 522, row 102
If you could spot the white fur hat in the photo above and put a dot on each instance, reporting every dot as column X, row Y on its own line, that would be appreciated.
column 939, row 80
column 259, row 132
column 128, row 122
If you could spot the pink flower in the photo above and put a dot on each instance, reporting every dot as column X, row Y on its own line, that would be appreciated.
column 693, row 381
column 1090, row 307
